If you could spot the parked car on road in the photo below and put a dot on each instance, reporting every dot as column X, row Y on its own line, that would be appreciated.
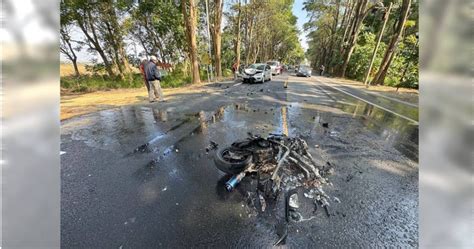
column 259, row 72
column 275, row 66
column 304, row 70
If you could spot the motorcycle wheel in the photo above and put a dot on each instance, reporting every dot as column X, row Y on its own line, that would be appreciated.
column 230, row 167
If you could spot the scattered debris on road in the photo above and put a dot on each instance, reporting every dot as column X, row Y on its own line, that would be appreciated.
column 279, row 164
column 212, row 146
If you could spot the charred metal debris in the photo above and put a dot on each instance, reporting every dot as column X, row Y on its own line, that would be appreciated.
column 280, row 164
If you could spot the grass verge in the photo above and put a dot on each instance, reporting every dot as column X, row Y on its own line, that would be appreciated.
column 92, row 83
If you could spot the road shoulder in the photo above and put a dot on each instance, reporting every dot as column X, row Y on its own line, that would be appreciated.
column 403, row 95
column 80, row 104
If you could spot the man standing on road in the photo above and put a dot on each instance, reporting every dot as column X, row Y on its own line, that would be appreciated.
column 153, row 76
column 321, row 70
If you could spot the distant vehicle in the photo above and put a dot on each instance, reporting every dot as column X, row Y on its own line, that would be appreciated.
column 304, row 70
column 275, row 66
column 259, row 72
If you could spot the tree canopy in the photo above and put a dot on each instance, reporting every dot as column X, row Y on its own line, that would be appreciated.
column 202, row 36
column 342, row 36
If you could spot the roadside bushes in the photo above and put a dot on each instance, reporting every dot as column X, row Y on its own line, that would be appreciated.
column 176, row 78
column 361, row 57
column 95, row 82
column 227, row 72
column 403, row 72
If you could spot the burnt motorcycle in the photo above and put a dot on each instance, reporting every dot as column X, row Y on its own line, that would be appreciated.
column 266, row 155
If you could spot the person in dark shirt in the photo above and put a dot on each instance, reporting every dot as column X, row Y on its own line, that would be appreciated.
column 153, row 77
column 321, row 70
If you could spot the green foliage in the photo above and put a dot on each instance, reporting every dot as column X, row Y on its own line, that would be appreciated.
column 227, row 72
column 96, row 82
column 361, row 57
column 403, row 71
column 158, row 27
column 274, row 33
column 89, row 83
column 203, row 74
column 175, row 79
column 326, row 45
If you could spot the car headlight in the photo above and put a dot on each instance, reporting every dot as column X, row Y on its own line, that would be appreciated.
column 259, row 75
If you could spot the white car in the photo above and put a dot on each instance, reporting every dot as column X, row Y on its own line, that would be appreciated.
column 275, row 66
column 259, row 72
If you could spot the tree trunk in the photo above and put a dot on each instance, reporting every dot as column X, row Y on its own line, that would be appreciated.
column 74, row 60
column 69, row 52
column 345, row 17
column 348, row 27
column 249, row 41
column 142, row 42
column 379, row 39
column 76, row 69
column 358, row 19
column 333, row 36
column 115, row 37
column 96, row 46
column 114, row 50
column 390, row 52
column 95, row 42
column 237, row 42
column 190, row 19
column 216, row 36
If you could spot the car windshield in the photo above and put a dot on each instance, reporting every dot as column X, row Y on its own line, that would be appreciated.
column 272, row 63
column 257, row 66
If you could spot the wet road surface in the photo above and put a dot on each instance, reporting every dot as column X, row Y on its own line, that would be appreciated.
column 140, row 177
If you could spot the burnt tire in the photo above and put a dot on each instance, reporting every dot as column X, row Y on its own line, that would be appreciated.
column 228, row 167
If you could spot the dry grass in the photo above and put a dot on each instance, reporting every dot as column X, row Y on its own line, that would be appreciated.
column 73, row 105
column 79, row 104
column 67, row 69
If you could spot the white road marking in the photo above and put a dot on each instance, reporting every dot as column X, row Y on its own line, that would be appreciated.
column 62, row 152
column 238, row 84
column 380, row 95
column 378, row 106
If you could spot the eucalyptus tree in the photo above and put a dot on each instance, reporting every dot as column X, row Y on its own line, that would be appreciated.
column 189, row 9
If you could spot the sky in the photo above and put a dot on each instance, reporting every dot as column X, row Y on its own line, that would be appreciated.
column 85, row 57
column 302, row 18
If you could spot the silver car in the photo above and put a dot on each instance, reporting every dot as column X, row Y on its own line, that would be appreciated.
column 259, row 72
column 304, row 70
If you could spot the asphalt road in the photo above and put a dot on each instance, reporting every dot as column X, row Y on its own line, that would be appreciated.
column 139, row 176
